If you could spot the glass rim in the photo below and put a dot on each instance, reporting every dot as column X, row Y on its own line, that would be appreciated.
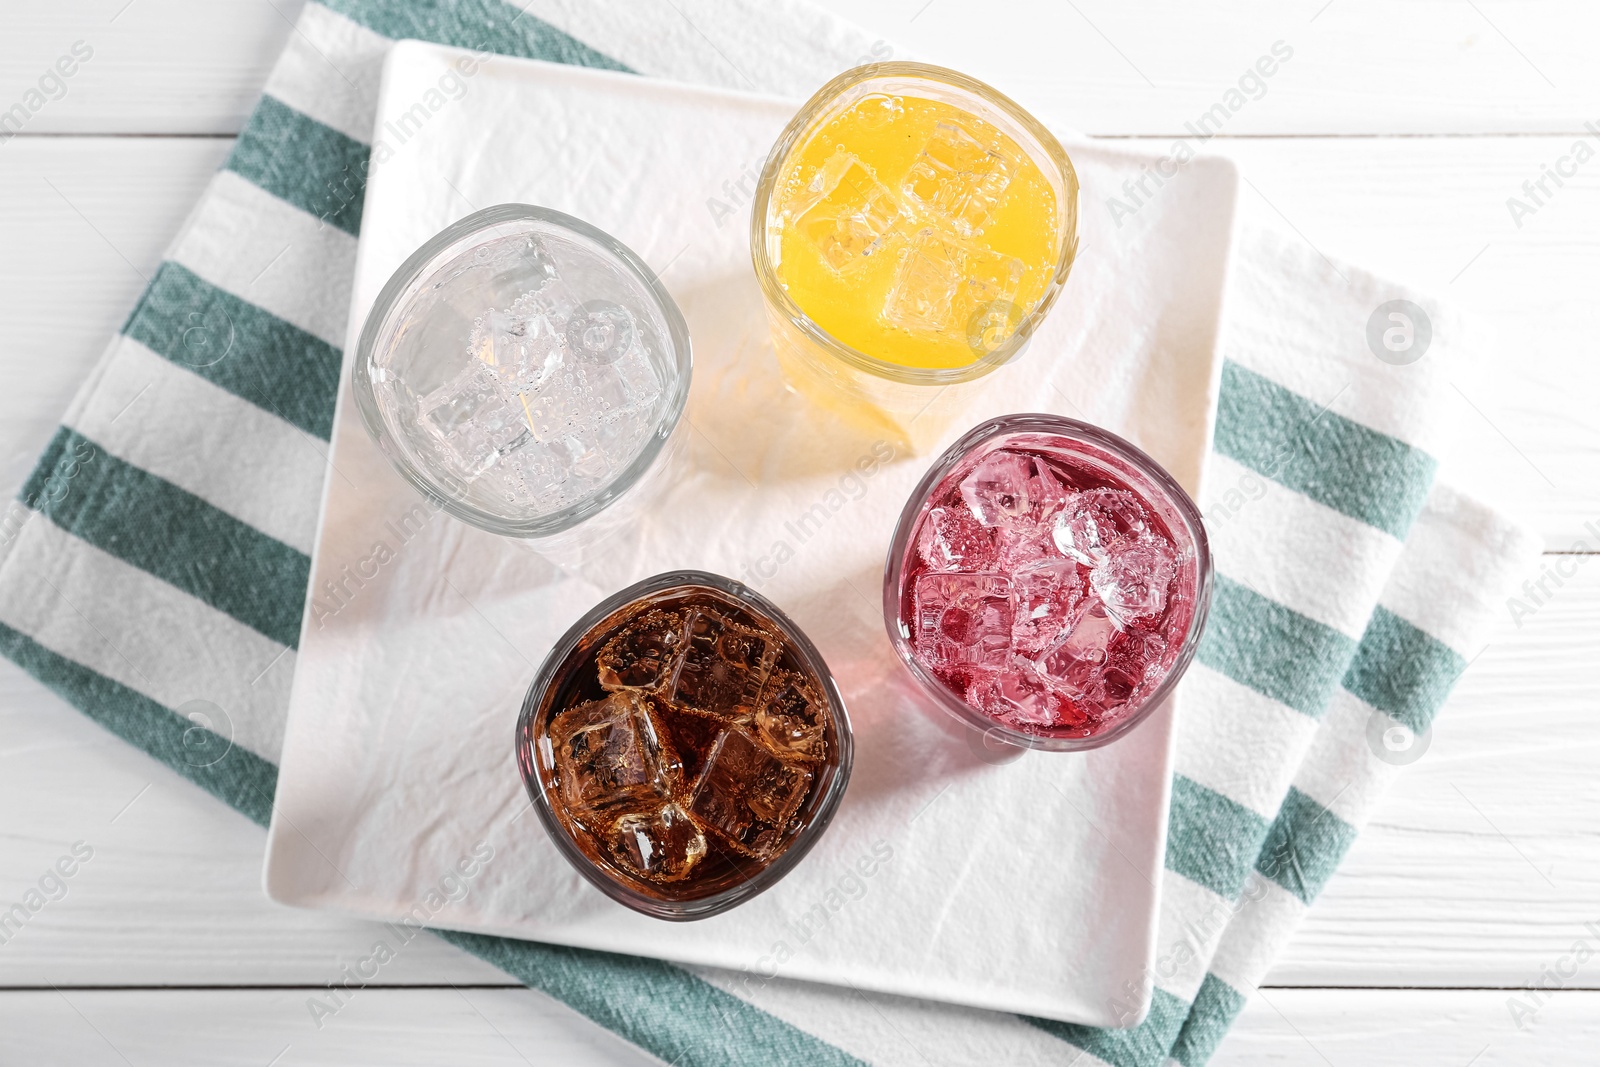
column 805, row 120
column 1119, row 448
column 453, row 240
column 803, row 842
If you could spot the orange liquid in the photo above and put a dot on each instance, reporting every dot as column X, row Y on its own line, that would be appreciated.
column 915, row 232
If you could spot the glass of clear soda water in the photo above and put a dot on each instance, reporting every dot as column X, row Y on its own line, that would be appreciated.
column 524, row 370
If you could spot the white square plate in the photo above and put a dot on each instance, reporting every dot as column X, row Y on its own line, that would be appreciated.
column 1027, row 885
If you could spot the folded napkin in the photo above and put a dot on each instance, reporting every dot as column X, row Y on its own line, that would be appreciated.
column 155, row 565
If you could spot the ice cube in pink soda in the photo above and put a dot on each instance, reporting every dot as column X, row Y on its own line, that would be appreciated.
column 1051, row 579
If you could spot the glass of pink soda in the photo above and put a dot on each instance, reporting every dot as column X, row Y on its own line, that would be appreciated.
column 1048, row 582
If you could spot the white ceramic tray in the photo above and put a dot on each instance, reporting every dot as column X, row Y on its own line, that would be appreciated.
column 1026, row 885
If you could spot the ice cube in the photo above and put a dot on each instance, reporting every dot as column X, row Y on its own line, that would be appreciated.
column 790, row 717
column 944, row 284
column 951, row 539
column 523, row 349
column 1002, row 489
column 1049, row 490
column 1044, row 594
column 990, row 281
column 620, row 386
column 535, row 471
column 1138, row 657
column 1132, row 580
column 962, row 619
column 922, row 296
column 723, row 666
column 619, row 438
column 877, row 110
column 639, row 377
column 591, row 462
column 748, row 795
column 527, row 255
column 1028, row 538
column 1076, row 660
column 472, row 420
column 609, row 755
column 644, row 653
column 608, row 404
column 959, row 177
column 848, row 214
column 601, row 332
column 1092, row 523
column 544, row 293
column 661, row 845
column 449, row 409
column 1016, row 693
column 557, row 406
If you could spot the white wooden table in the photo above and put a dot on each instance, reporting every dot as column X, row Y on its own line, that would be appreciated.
column 1393, row 139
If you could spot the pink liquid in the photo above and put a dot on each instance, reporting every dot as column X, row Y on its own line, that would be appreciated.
column 1046, row 593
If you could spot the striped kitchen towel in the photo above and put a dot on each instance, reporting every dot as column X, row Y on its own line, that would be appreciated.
column 153, row 568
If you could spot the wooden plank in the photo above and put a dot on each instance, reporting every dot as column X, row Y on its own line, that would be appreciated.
column 172, row 892
column 157, row 66
column 1406, row 1027
column 1447, row 887
column 1358, row 66
column 1432, row 212
column 253, row 1028
column 249, row 1028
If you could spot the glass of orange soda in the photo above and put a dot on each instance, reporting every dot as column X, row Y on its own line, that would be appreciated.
column 911, row 229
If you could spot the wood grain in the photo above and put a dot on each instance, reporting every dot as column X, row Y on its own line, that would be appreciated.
column 172, row 895
column 158, row 66
column 1480, row 869
column 255, row 1028
column 1482, row 866
column 1359, row 66
column 471, row 1027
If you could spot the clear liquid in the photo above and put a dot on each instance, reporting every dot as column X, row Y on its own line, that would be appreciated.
column 526, row 374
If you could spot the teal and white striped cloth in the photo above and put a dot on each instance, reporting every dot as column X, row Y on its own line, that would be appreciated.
column 154, row 567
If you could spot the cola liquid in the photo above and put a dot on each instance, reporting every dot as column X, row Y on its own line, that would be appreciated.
column 684, row 744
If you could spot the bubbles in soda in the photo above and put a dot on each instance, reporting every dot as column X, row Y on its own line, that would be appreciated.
column 687, row 744
column 528, row 375
column 1044, row 592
